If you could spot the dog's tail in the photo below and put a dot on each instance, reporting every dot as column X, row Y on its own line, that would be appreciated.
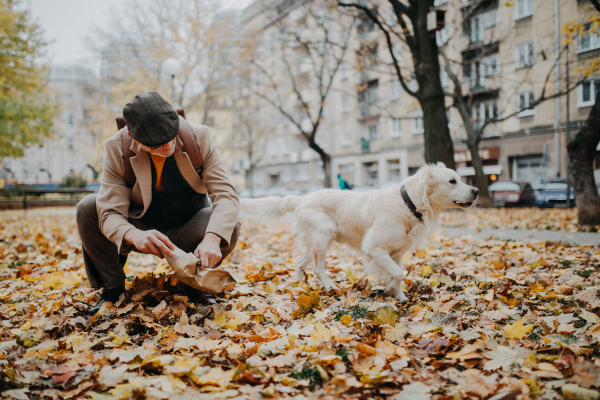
column 272, row 207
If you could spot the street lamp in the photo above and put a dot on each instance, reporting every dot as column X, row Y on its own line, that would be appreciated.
column 172, row 67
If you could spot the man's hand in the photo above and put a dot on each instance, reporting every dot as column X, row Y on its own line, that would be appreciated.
column 150, row 242
column 209, row 250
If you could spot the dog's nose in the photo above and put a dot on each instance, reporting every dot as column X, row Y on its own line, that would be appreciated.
column 475, row 191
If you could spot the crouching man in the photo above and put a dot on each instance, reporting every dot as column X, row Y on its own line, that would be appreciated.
column 167, row 205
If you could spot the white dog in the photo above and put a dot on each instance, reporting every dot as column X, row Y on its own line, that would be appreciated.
column 379, row 223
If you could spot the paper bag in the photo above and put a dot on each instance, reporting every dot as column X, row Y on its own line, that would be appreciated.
column 188, row 270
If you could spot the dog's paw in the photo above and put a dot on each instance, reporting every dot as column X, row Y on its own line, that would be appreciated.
column 329, row 285
column 400, row 296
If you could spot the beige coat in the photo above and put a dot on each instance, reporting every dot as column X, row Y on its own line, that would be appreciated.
column 116, row 202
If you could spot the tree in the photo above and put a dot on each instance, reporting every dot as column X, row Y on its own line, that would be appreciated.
column 26, row 112
column 463, row 100
column 134, row 46
column 413, row 31
column 583, row 145
column 311, row 58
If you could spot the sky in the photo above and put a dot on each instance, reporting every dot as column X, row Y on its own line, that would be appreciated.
column 67, row 22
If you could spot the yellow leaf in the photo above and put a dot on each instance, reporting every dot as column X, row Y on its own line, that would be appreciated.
column 236, row 318
column 434, row 282
column 386, row 315
column 270, row 287
column 426, row 270
column 57, row 281
column 220, row 320
column 518, row 330
column 216, row 377
column 346, row 319
column 352, row 277
column 536, row 288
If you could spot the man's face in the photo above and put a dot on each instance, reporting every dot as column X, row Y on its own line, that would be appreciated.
column 166, row 150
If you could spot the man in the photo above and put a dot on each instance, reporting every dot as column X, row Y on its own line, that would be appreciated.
column 166, row 206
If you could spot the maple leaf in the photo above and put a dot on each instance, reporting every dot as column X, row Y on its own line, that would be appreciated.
column 386, row 315
column 468, row 352
column 503, row 357
column 346, row 319
column 518, row 330
column 58, row 281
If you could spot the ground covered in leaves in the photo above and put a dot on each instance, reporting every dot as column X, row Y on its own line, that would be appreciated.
column 485, row 318
column 555, row 219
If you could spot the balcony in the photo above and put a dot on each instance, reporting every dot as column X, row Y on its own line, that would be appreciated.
column 368, row 111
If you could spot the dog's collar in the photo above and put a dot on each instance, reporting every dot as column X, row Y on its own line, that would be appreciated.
column 410, row 204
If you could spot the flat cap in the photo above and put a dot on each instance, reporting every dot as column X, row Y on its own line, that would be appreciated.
column 151, row 120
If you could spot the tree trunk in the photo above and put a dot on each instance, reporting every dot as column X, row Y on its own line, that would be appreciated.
column 582, row 149
column 326, row 158
column 438, row 143
column 473, row 144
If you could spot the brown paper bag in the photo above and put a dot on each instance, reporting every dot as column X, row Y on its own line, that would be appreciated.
column 188, row 270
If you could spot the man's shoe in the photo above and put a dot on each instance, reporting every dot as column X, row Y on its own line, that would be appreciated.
column 200, row 297
column 111, row 295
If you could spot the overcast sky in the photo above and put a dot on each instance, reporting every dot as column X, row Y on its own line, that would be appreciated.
column 67, row 22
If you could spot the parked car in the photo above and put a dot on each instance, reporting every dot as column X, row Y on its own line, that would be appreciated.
column 512, row 193
column 554, row 194
column 294, row 192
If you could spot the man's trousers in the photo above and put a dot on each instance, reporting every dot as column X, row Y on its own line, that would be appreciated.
column 104, row 264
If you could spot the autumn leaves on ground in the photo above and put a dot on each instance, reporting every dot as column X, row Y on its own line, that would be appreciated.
column 484, row 319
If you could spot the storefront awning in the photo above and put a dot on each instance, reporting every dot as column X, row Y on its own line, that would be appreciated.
column 487, row 169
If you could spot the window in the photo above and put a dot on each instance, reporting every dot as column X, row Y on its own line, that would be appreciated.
column 587, row 93
column 524, row 55
column 441, row 36
column 286, row 174
column 395, row 127
column 321, row 139
column 345, row 136
column 373, row 131
column 524, row 100
column 394, row 90
column 70, row 117
column 444, row 79
column 484, row 111
column 274, row 148
column 302, row 172
column 344, row 70
column 320, row 169
column 372, row 94
column 523, row 8
column 416, row 122
column 491, row 64
column 587, row 40
column 439, row 2
column 481, row 22
column 391, row 19
column 285, row 147
column 345, row 103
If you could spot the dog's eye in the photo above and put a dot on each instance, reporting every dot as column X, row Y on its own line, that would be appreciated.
column 453, row 181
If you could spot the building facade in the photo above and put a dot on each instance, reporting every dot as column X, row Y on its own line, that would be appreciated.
column 505, row 56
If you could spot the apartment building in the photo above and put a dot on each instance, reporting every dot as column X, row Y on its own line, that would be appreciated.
column 505, row 55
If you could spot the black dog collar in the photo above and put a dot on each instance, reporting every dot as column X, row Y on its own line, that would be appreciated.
column 410, row 204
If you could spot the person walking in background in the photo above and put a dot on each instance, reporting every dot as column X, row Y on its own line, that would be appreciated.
column 344, row 185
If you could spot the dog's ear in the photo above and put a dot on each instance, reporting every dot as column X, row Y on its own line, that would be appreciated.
column 427, row 179
column 440, row 165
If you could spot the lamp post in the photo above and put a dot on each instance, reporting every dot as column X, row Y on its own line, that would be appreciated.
column 172, row 67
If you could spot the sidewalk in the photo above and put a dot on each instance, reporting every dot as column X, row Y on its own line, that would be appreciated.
column 576, row 238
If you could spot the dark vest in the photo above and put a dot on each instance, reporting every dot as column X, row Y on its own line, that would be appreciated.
column 177, row 203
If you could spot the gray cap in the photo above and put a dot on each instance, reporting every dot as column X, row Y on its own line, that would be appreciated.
column 151, row 120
